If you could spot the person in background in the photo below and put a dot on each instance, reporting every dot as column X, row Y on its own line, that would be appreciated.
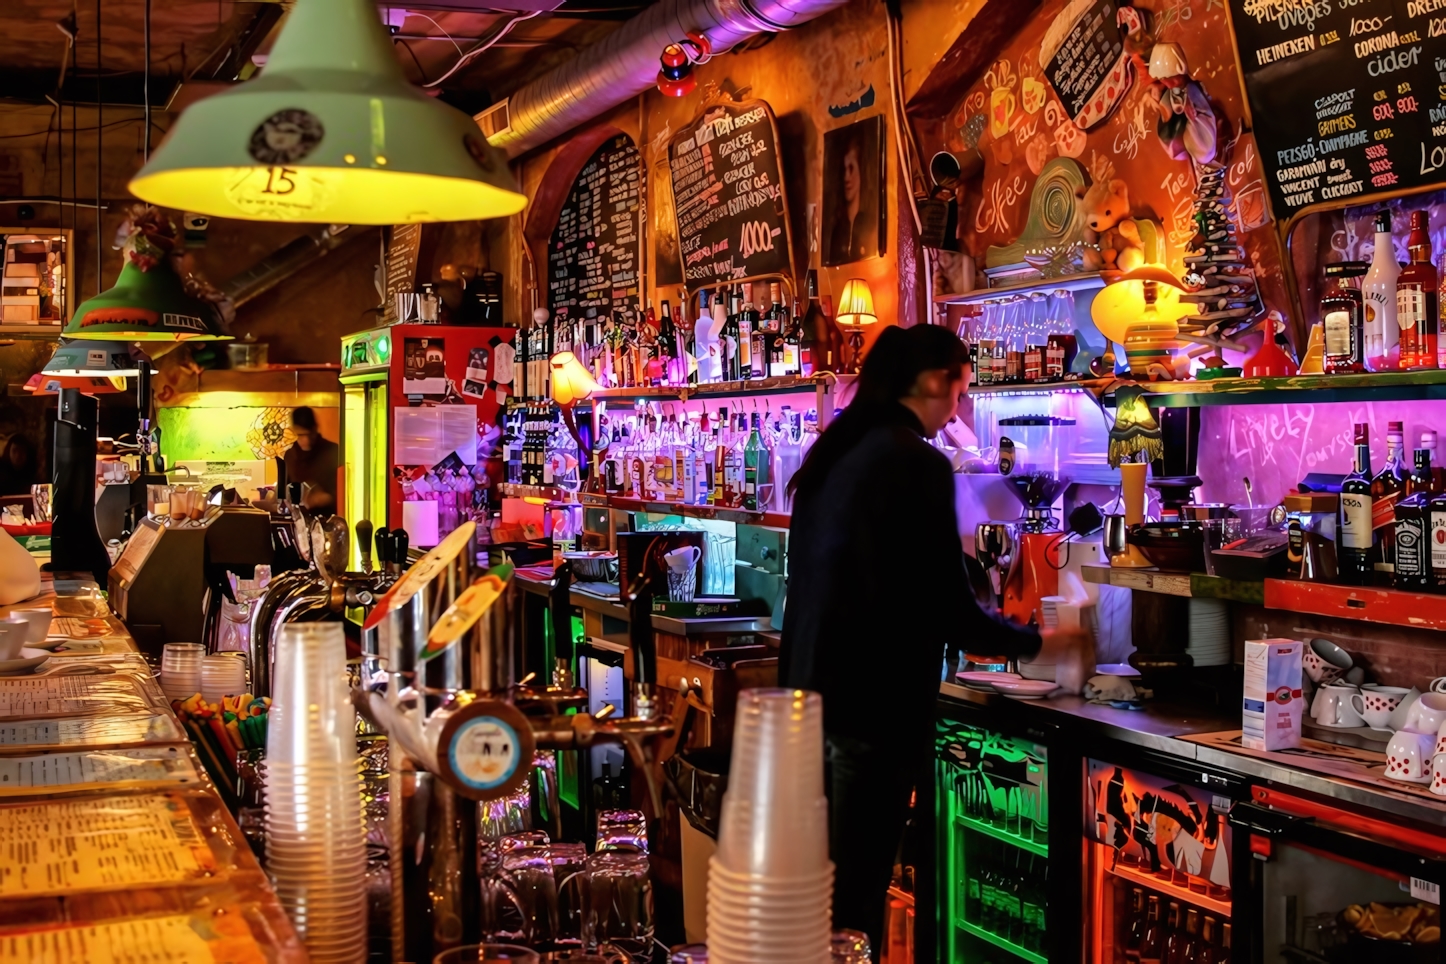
column 877, row 591
column 312, row 461
column 18, row 465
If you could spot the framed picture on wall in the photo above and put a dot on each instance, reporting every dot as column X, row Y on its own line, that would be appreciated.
column 855, row 209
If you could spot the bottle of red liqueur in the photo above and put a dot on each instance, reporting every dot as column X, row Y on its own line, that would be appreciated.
column 1416, row 303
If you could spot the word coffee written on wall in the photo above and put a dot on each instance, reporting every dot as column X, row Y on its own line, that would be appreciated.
column 595, row 252
column 1348, row 96
column 728, row 196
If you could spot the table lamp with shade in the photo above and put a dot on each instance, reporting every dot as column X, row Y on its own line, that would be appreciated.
column 855, row 311
column 1141, row 310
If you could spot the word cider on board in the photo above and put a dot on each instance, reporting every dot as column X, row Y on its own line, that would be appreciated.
column 1346, row 95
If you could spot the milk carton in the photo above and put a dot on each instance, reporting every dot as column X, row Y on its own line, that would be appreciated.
column 1274, row 703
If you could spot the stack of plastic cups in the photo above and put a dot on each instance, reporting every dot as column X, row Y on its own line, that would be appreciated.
column 315, row 847
column 770, row 883
column 181, row 670
column 223, row 674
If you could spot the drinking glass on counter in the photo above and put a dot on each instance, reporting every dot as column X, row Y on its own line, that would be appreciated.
column 181, row 670
column 622, row 830
column 622, row 900
column 487, row 954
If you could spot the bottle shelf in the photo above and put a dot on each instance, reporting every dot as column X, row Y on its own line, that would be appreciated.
column 1220, row 908
column 1013, row 839
column 781, row 385
column 1002, row 943
column 1196, row 584
column 1391, row 607
column 1295, row 389
column 776, row 520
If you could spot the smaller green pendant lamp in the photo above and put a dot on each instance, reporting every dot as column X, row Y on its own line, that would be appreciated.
column 149, row 305
column 332, row 133
column 95, row 358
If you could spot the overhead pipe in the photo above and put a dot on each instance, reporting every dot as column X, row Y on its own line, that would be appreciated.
column 625, row 63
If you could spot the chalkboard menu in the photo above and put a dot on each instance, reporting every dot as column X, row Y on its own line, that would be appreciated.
column 596, row 250
column 1346, row 97
column 1086, row 54
column 401, row 273
column 728, row 196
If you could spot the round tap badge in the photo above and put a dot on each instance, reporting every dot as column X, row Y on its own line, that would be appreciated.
column 486, row 750
column 286, row 137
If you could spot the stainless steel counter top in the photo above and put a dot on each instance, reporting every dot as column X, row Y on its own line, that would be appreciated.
column 1159, row 727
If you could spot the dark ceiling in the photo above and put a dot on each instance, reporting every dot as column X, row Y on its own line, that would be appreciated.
column 204, row 42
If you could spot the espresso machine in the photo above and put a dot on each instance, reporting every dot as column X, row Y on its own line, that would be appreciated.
column 1035, row 456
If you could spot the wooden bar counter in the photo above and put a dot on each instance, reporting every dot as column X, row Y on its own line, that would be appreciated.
column 116, row 844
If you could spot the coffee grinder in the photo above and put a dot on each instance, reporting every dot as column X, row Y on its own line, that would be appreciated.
column 1035, row 456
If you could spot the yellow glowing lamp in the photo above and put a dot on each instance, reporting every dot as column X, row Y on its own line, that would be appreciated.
column 856, row 304
column 571, row 381
column 331, row 132
column 1148, row 295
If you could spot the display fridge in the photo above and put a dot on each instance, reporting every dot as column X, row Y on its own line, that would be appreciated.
column 421, row 413
column 1002, row 881
column 1329, row 885
column 1159, row 858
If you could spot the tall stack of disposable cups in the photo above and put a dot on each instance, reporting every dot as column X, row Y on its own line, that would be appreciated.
column 770, row 883
column 315, row 848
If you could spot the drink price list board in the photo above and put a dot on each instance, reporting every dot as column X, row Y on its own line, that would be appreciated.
column 1347, row 97
column 595, row 251
column 728, row 196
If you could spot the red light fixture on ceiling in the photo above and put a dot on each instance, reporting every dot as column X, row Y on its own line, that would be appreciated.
column 675, row 78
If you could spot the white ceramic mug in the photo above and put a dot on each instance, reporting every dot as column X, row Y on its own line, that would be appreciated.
column 1332, row 706
column 12, row 637
column 1408, row 757
column 1427, row 714
column 1318, row 669
column 1403, row 709
column 1438, row 685
column 39, row 620
column 1376, row 704
column 1438, row 774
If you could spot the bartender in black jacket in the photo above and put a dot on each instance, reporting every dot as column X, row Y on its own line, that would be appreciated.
column 877, row 590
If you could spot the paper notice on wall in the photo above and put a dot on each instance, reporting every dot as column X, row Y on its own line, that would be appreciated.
column 428, row 434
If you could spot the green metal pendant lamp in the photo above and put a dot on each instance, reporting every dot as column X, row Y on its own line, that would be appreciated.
column 331, row 132
column 147, row 305
column 108, row 359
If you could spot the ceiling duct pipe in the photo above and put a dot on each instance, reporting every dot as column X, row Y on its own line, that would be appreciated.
column 284, row 262
column 625, row 63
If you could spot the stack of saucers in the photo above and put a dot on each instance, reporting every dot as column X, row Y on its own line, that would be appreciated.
column 1209, row 632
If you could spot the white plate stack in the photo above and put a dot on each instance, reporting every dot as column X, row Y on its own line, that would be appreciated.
column 770, row 883
column 181, row 670
column 223, row 674
column 1209, row 632
column 315, row 848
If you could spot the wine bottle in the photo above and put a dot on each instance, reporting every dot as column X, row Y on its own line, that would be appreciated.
column 1152, row 945
column 1413, row 529
column 667, row 347
column 1135, row 932
column 755, row 467
column 816, row 346
column 1416, row 305
column 1222, row 953
column 1193, row 947
column 1174, row 937
column 1355, row 536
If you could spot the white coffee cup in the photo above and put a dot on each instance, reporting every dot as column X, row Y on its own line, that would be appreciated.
column 1375, row 704
column 13, row 634
column 682, row 558
column 1427, row 714
column 1332, row 706
column 1408, row 757
column 39, row 620
column 1438, row 774
column 1403, row 709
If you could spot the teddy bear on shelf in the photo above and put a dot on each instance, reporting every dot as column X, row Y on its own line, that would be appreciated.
column 1111, row 235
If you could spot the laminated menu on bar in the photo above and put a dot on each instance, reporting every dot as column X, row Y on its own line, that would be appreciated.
column 27, row 736
column 115, row 842
column 164, row 939
column 31, row 697
column 40, row 773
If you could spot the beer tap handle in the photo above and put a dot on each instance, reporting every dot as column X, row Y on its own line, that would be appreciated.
column 364, row 543
column 383, row 540
column 399, row 548
column 560, row 611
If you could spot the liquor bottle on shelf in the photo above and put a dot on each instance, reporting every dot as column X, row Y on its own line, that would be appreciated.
column 1388, row 486
column 1379, row 292
column 1207, row 941
column 814, row 350
column 1035, row 897
column 1343, row 318
column 1193, row 947
column 755, row 468
column 1135, row 930
column 1355, row 536
column 744, row 322
column 1222, row 953
column 732, row 339
column 1152, row 944
column 1174, row 937
column 668, row 352
column 792, row 341
column 1413, row 529
column 1416, row 306
column 1014, row 900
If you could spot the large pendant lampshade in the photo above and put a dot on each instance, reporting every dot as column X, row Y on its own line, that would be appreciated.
column 331, row 132
column 147, row 305
column 95, row 358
